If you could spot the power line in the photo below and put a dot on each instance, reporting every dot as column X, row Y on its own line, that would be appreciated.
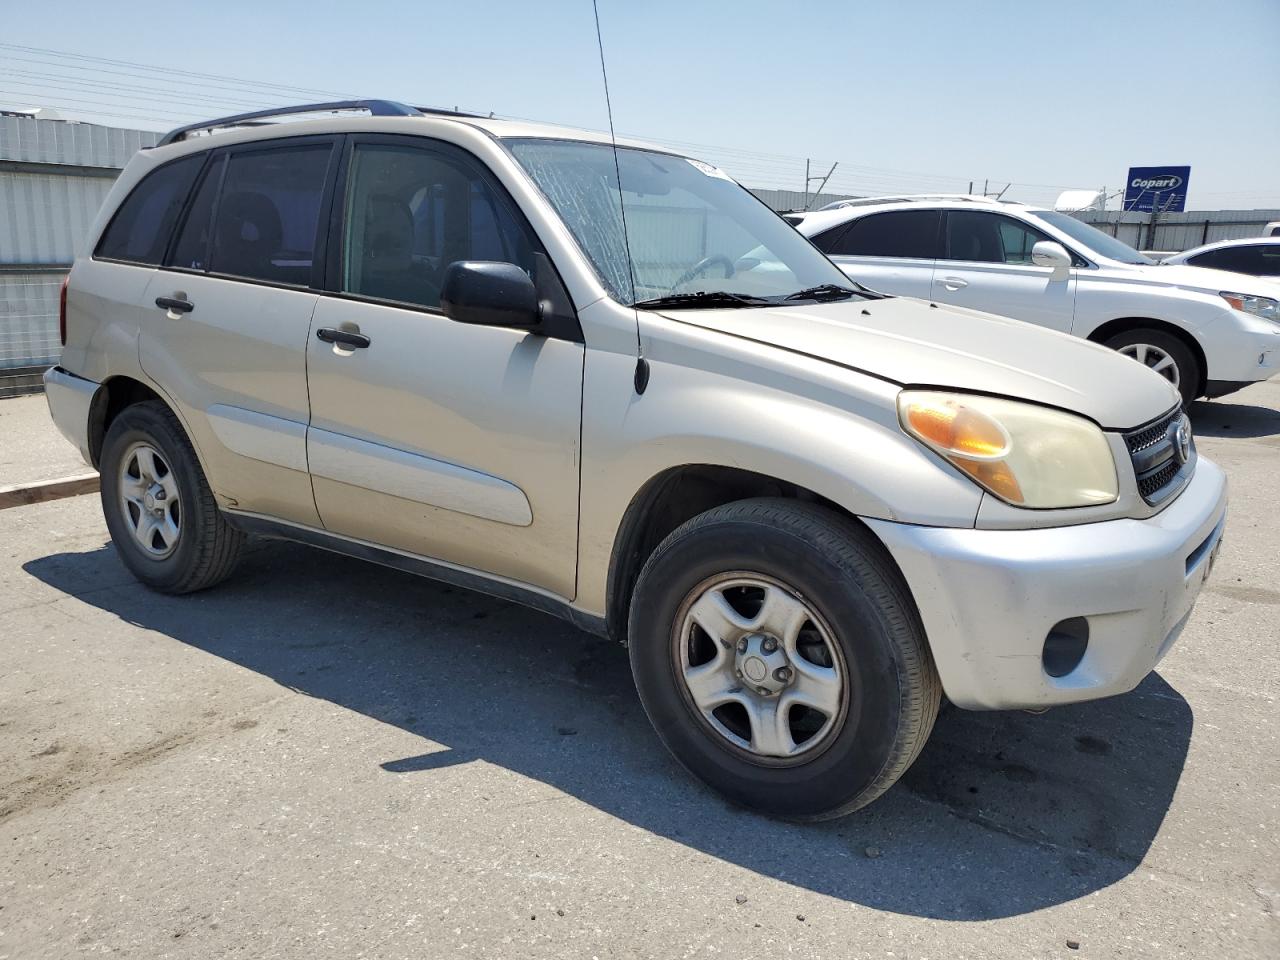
column 194, row 95
column 167, row 71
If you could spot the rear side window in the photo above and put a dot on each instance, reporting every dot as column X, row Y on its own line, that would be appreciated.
column 899, row 233
column 264, row 224
column 1257, row 261
column 140, row 230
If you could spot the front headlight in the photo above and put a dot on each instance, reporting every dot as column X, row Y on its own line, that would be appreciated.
column 1026, row 455
column 1264, row 307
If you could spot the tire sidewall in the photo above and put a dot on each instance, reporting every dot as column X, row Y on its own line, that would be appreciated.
column 144, row 425
column 864, row 744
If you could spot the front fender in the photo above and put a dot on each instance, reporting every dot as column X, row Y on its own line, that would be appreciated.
column 716, row 400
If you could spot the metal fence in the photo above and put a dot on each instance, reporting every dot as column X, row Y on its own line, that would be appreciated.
column 1175, row 232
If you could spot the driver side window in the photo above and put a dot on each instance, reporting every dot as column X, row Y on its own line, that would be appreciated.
column 412, row 212
column 977, row 236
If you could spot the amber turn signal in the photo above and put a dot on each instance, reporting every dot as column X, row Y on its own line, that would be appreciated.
column 957, row 429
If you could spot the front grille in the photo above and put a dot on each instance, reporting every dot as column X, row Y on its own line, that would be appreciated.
column 1158, row 465
column 1146, row 437
column 1153, row 483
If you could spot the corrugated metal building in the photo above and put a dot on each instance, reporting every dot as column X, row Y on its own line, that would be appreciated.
column 788, row 201
column 53, row 178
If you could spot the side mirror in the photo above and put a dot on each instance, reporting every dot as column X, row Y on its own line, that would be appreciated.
column 489, row 294
column 1050, row 253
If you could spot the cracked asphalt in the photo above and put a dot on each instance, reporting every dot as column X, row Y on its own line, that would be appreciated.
column 323, row 758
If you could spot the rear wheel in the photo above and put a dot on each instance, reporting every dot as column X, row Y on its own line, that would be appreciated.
column 162, row 517
column 780, row 658
column 1165, row 354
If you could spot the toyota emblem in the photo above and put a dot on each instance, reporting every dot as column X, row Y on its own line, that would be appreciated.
column 1182, row 441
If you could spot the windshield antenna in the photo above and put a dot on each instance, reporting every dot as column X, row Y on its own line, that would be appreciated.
column 642, row 365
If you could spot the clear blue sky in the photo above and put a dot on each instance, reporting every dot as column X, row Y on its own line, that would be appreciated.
column 907, row 95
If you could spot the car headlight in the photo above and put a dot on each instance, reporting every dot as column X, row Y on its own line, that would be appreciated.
column 1264, row 307
column 1026, row 455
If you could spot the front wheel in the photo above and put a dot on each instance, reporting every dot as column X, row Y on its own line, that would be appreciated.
column 1164, row 354
column 780, row 658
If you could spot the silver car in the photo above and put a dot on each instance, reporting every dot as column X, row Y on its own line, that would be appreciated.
column 613, row 386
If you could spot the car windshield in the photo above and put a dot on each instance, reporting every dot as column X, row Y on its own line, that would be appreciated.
column 1091, row 237
column 696, row 238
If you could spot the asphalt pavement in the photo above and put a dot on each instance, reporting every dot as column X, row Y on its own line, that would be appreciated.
column 325, row 758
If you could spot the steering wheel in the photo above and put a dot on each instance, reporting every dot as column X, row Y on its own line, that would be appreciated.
column 701, row 267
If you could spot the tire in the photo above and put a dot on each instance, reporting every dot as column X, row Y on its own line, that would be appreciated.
column 191, row 547
column 1160, row 345
column 860, row 609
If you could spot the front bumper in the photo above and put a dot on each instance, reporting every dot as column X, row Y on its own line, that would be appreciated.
column 69, row 398
column 1247, row 356
column 988, row 598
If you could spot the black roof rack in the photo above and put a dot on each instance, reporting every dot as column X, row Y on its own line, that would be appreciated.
column 376, row 108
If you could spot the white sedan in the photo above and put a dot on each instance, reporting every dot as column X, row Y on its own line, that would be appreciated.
column 1208, row 332
column 1255, row 256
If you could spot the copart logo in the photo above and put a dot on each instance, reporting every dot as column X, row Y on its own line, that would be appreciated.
column 1157, row 183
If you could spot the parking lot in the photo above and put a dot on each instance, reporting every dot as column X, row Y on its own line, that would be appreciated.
column 327, row 758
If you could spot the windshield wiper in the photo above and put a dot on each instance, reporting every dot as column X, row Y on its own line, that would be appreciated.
column 831, row 291
column 703, row 298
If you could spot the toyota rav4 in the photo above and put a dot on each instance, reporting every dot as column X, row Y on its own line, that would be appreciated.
column 606, row 382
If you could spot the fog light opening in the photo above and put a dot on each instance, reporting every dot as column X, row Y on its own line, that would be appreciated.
column 1065, row 646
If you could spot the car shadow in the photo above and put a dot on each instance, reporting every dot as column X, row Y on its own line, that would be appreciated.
column 1002, row 814
column 1221, row 418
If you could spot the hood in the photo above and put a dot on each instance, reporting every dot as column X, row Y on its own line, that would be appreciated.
column 913, row 343
column 1202, row 279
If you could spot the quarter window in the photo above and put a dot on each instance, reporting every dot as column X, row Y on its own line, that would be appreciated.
column 267, row 212
column 899, row 233
column 981, row 237
column 411, row 213
column 141, row 228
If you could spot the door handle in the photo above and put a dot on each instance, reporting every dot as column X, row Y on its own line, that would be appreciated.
column 952, row 283
column 175, row 304
column 357, row 341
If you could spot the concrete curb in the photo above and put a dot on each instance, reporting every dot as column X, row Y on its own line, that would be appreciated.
column 21, row 494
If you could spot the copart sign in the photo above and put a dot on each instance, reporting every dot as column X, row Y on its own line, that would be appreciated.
column 1158, row 188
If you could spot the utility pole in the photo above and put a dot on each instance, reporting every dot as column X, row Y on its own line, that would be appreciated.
column 1151, row 221
column 808, row 179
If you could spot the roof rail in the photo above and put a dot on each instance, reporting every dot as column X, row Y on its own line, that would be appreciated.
column 376, row 108
column 903, row 197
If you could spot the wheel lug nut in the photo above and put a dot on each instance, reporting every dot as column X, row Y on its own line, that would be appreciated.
column 764, row 691
column 782, row 674
column 738, row 674
column 742, row 645
column 769, row 645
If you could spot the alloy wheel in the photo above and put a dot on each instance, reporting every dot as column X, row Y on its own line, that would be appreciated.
column 149, row 500
column 760, row 668
column 1153, row 357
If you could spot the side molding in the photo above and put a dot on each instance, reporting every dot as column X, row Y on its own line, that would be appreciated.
column 260, row 436
column 411, row 476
